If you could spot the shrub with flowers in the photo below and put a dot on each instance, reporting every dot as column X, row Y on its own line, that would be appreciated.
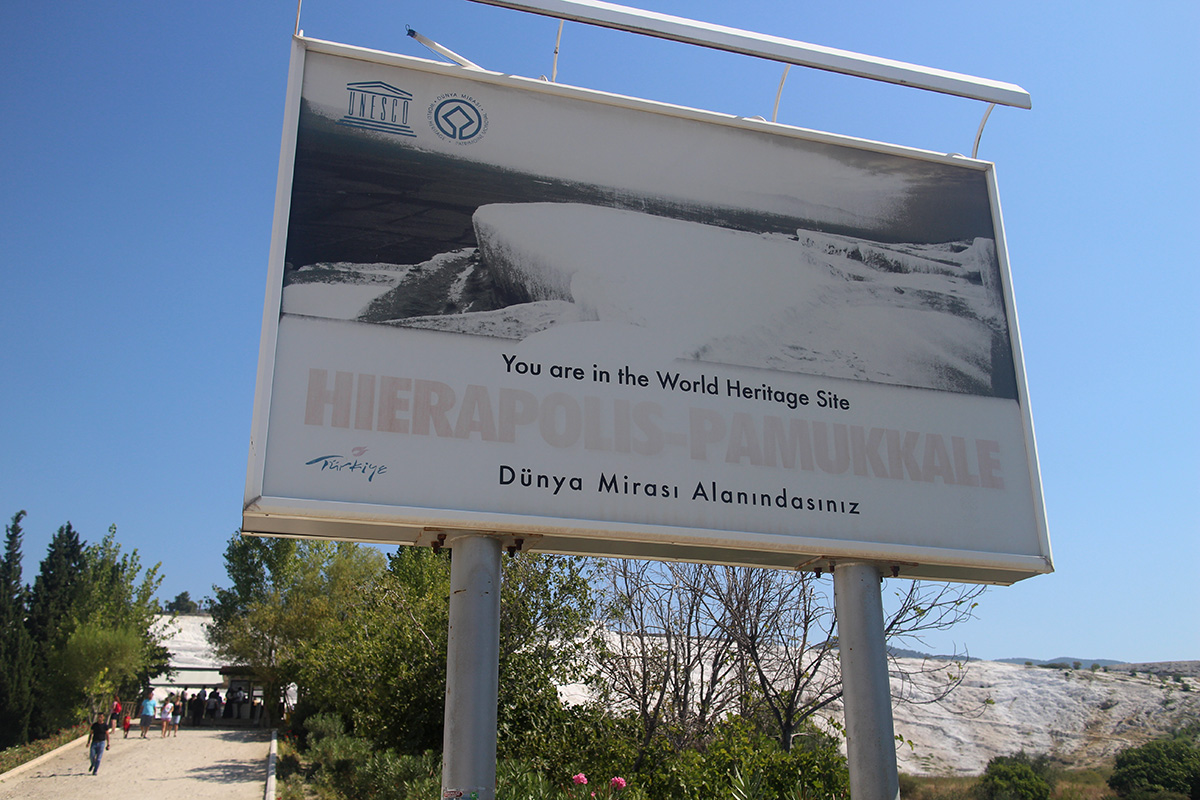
column 601, row 792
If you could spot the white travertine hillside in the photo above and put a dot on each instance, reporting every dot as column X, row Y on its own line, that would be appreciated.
column 192, row 660
column 188, row 642
column 1079, row 716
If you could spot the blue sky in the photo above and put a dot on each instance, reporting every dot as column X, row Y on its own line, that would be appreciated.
column 138, row 162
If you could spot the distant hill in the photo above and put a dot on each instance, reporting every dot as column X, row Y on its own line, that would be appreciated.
column 1067, row 660
column 900, row 652
column 1164, row 669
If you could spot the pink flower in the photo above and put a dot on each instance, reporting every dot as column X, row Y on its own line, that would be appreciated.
column 618, row 783
column 580, row 778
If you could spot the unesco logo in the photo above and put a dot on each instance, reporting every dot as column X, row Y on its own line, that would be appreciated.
column 378, row 106
column 457, row 118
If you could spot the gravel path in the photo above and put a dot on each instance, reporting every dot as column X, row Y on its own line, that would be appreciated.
column 198, row 764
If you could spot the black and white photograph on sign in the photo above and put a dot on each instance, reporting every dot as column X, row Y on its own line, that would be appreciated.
column 903, row 290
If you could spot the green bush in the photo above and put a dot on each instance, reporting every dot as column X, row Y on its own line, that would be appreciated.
column 384, row 775
column 339, row 759
column 16, row 756
column 322, row 726
column 1162, row 766
column 290, row 788
column 1016, row 777
column 739, row 759
column 518, row 780
column 1155, row 793
column 353, row 768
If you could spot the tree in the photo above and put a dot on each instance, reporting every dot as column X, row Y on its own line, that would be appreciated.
column 380, row 656
column 53, row 603
column 635, row 659
column 183, row 604
column 100, row 660
column 247, row 626
column 118, row 615
column 285, row 596
column 921, row 608
column 57, row 588
column 92, row 618
column 666, row 655
column 683, row 635
column 1016, row 777
column 708, row 680
column 1166, row 765
column 783, row 627
column 383, row 664
column 120, row 596
column 16, row 647
column 546, row 616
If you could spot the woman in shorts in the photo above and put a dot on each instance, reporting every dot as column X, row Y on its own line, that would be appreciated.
column 114, row 713
column 165, row 713
column 176, row 713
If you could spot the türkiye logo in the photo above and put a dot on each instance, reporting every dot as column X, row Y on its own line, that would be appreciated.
column 378, row 106
column 457, row 118
column 354, row 463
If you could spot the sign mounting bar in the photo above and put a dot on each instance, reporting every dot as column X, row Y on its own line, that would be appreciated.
column 773, row 48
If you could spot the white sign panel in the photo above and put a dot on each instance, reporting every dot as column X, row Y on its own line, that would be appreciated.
column 602, row 325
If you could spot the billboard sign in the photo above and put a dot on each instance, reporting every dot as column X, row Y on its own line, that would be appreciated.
column 608, row 326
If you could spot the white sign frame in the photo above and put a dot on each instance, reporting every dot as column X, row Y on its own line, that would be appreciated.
column 1013, row 545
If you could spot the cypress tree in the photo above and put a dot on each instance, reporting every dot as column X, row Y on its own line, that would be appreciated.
column 53, row 604
column 16, row 647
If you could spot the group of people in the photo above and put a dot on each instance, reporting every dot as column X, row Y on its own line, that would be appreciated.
column 165, row 715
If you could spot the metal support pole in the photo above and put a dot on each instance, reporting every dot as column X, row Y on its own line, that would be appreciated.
column 867, row 696
column 472, row 669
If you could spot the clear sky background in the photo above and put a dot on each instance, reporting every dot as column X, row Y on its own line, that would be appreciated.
column 139, row 143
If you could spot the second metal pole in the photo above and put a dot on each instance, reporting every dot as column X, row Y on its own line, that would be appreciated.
column 472, row 670
column 867, row 696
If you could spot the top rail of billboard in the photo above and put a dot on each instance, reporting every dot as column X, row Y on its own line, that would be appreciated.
column 601, row 325
column 774, row 48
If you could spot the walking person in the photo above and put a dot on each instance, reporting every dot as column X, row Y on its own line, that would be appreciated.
column 176, row 715
column 149, row 712
column 197, row 709
column 114, row 713
column 98, row 742
column 165, row 714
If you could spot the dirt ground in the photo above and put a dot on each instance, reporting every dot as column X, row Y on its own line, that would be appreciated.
column 198, row 764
